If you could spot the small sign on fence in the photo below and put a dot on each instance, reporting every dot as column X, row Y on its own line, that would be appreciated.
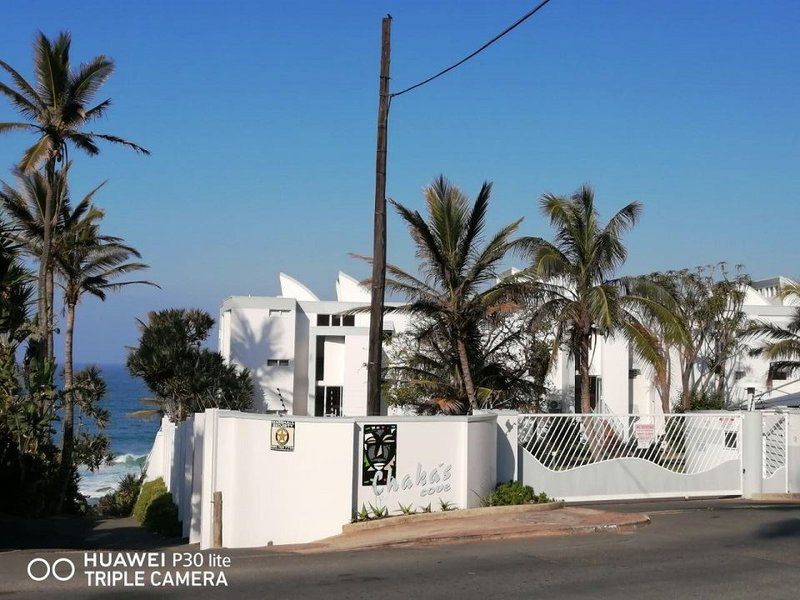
column 282, row 436
column 645, row 434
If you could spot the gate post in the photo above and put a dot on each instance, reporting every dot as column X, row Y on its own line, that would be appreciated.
column 751, row 448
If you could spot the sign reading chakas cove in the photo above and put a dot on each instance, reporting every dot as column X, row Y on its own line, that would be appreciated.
column 282, row 436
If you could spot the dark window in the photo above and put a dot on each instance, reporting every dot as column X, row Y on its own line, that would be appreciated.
column 777, row 374
column 320, row 366
column 349, row 320
column 319, row 401
column 323, row 320
column 333, row 401
column 336, row 320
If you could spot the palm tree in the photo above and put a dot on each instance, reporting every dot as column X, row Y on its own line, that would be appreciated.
column 459, row 269
column 87, row 263
column 781, row 344
column 574, row 279
column 26, row 205
column 57, row 108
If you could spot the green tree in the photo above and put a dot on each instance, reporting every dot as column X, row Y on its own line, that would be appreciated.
column 459, row 268
column 87, row 263
column 184, row 377
column 58, row 108
column 573, row 278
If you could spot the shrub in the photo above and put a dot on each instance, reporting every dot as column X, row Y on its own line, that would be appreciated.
column 150, row 490
column 514, row 492
column 162, row 516
column 155, row 509
column 120, row 502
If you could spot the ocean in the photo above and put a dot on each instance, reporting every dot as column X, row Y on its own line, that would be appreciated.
column 131, row 439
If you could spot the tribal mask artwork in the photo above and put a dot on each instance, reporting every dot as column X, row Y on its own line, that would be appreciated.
column 380, row 453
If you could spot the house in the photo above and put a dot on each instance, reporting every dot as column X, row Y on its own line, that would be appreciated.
column 308, row 356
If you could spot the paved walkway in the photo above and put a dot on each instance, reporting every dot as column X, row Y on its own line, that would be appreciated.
column 489, row 525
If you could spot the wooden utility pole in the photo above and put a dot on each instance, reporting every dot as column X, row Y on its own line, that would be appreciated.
column 379, row 232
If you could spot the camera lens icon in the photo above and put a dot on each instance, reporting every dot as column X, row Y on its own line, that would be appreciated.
column 62, row 569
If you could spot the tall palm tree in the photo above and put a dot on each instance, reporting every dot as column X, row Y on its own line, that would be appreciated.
column 26, row 206
column 780, row 344
column 459, row 268
column 57, row 108
column 87, row 263
column 574, row 277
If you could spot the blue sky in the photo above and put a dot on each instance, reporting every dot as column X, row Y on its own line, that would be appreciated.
column 261, row 120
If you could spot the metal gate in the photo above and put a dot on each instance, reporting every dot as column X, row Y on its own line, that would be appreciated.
column 609, row 456
column 774, row 452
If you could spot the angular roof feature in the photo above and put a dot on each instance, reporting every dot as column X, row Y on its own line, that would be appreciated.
column 291, row 288
column 348, row 289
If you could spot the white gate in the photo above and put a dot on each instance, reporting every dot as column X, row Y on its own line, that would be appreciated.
column 607, row 456
column 774, row 452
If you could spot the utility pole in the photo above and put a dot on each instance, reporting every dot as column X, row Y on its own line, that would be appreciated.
column 379, row 232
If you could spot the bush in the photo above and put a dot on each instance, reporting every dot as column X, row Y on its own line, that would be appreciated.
column 149, row 492
column 162, row 516
column 512, row 493
column 155, row 509
column 120, row 502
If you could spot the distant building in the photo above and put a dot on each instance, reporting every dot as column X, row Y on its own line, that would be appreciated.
column 622, row 383
column 306, row 356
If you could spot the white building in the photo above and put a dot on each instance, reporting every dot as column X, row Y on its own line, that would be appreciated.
column 623, row 384
column 306, row 357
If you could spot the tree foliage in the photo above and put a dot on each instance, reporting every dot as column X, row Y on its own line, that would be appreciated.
column 185, row 377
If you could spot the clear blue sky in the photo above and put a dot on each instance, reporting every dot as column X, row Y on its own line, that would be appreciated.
column 261, row 120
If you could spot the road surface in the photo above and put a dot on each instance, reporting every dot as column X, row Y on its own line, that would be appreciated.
column 690, row 550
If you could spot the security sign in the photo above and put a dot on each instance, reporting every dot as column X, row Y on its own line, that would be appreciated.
column 282, row 436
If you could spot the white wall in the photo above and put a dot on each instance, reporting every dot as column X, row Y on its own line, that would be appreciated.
column 355, row 376
column 275, row 497
column 255, row 337
column 433, row 464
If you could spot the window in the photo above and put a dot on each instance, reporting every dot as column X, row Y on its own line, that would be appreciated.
column 277, row 362
column 777, row 374
column 336, row 320
column 278, row 312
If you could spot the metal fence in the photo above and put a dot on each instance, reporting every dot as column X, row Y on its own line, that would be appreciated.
column 686, row 444
column 774, row 443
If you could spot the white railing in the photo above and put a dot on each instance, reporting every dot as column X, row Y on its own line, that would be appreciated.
column 681, row 443
column 773, row 446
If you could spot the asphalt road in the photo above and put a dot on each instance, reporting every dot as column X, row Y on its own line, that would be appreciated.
column 690, row 550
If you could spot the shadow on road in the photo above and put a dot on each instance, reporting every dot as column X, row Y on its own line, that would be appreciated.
column 76, row 533
column 784, row 528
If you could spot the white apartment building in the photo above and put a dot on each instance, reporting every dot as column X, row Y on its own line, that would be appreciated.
column 306, row 357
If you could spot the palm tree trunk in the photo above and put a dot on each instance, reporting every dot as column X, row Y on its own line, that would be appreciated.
column 45, row 305
column 68, row 438
column 686, row 393
column 583, row 370
column 50, row 289
column 466, row 373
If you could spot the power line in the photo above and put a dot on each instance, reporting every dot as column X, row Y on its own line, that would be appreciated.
column 508, row 29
